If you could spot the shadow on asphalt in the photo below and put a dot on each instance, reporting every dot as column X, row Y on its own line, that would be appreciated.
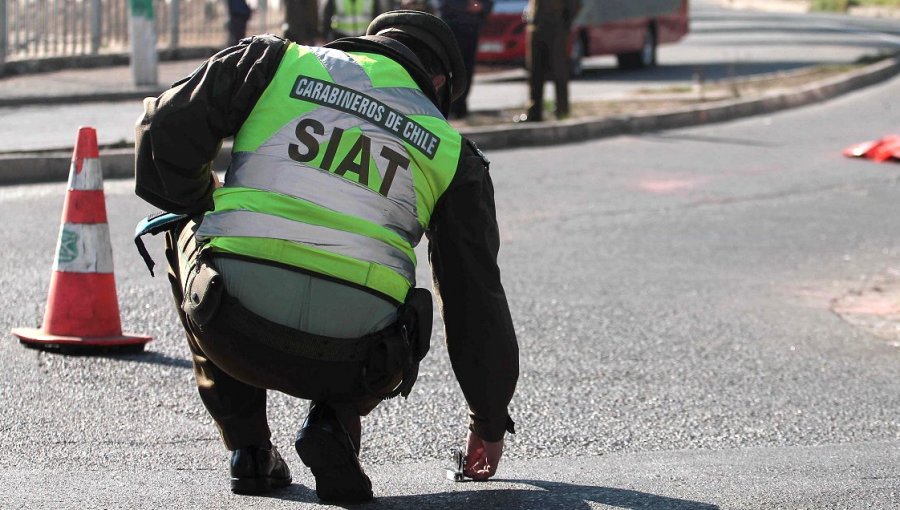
column 679, row 137
column 154, row 358
column 120, row 353
column 551, row 495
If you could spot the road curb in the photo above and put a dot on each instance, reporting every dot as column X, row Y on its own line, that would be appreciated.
column 95, row 97
column 50, row 64
column 577, row 130
column 23, row 168
column 30, row 168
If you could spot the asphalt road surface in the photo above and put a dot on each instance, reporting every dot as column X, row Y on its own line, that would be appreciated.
column 671, row 294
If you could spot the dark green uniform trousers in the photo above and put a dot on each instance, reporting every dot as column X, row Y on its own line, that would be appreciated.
column 234, row 370
column 546, row 51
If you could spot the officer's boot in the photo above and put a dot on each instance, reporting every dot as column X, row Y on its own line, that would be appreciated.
column 255, row 470
column 326, row 447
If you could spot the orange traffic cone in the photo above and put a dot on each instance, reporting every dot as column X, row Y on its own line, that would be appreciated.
column 881, row 150
column 82, row 307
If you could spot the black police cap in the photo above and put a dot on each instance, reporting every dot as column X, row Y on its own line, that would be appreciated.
column 435, row 34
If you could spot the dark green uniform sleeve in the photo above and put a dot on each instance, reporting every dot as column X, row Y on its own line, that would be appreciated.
column 180, row 132
column 464, row 242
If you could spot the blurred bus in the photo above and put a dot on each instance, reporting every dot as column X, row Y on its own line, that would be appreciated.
column 629, row 29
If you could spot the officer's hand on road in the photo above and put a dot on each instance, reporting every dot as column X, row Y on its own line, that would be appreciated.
column 482, row 457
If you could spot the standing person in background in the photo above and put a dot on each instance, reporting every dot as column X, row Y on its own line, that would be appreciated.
column 549, row 23
column 466, row 18
column 238, row 15
column 301, row 21
column 348, row 18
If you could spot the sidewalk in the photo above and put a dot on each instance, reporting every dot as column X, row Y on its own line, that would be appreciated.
column 118, row 160
column 115, row 83
column 80, row 85
column 40, row 93
column 801, row 6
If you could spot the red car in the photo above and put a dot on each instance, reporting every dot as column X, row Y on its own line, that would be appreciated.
column 629, row 29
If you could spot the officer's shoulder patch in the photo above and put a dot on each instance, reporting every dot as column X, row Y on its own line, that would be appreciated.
column 476, row 150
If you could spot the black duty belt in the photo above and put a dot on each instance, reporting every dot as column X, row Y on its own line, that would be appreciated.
column 232, row 314
column 399, row 347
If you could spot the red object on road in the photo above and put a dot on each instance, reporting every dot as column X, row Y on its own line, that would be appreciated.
column 82, row 306
column 881, row 150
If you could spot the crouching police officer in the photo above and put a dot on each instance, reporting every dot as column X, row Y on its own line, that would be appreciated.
column 298, row 275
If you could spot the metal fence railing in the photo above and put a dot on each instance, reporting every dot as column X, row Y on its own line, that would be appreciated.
column 35, row 29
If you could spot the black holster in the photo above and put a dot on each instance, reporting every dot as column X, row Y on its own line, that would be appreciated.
column 397, row 349
column 202, row 292
column 407, row 348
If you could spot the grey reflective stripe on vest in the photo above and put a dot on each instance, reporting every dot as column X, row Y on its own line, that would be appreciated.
column 241, row 223
column 405, row 100
column 327, row 190
column 356, row 23
column 396, row 211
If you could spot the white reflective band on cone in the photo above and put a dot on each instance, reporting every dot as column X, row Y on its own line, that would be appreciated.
column 89, row 178
column 84, row 248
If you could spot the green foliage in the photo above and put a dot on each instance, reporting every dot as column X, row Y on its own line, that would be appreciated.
column 881, row 3
column 841, row 5
column 830, row 5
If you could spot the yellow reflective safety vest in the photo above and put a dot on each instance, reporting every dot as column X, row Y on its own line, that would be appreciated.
column 336, row 171
column 352, row 17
